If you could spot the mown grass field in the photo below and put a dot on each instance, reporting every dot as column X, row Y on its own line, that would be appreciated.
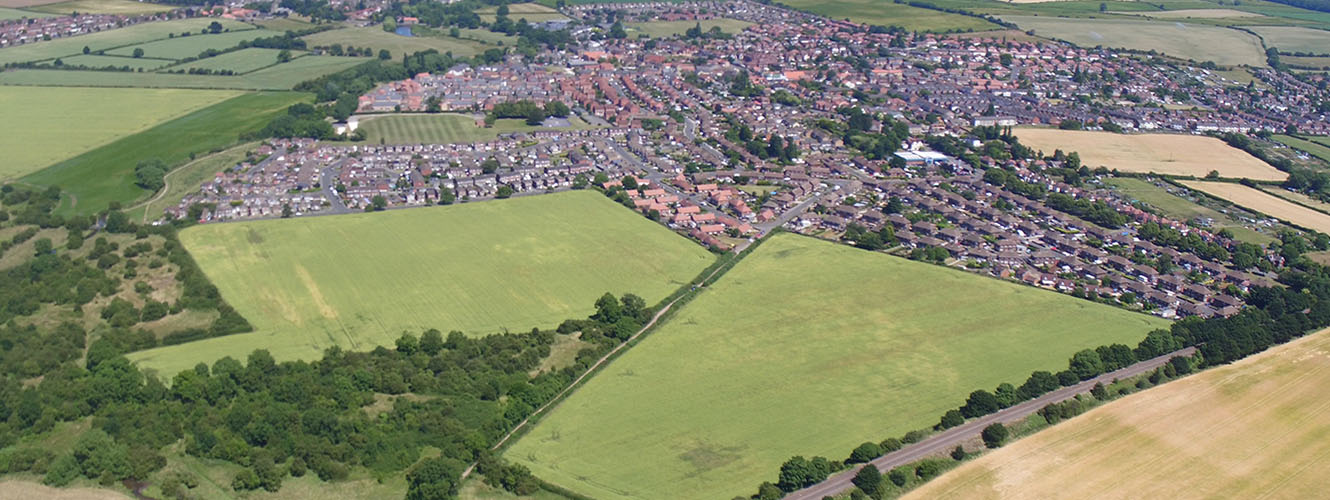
column 442, row 128
column 1294, row 39
column 361, row 280
column 240, row 61
column 804, row 348
column 376, row 38
column 1254, row 429
column 1170, row 154
column 190, row 46
column 280, row 77
column 532, row 12
column 884, row 13
column 59, row 123
column 122, row 7
column 1184, row 41
column 110, row 39
column 96, row 178
column 663, row 29
column 1266, row 203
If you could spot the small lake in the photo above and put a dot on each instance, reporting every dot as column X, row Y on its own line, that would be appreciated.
column 404, row 31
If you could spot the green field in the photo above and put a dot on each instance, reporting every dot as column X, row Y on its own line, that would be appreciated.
column 59, row 123
column 96, row 61
column 885, row 13
column 662, row 29
column 241, row 61
column 94, row 179
column 1311, row 147
column 443, row 128
column 1291, row 39
column 532, row 12
column 106, row 40
column 1185, row 41
column 122, row 7
column 360, row 280
column 376, row 38
column 187, row 179
column 1179, row 208
column 805, row 348
column 279, row 77
column 190, row 46
column 8, row 13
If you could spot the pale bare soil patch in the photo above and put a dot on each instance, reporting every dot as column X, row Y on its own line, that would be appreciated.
column 1266, row 203
column 1253, row 429
column 1170, row 154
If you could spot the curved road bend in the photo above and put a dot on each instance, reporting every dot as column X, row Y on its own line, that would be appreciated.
column 948, row 439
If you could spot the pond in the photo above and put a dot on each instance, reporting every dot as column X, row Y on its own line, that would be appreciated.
column 404, row 31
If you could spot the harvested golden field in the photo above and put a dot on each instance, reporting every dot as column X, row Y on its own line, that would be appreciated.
column 25, row 490
column 1266, row 203
column 1168, row 154
column 1255, row 429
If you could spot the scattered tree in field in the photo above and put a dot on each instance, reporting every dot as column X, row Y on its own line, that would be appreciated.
column 138, row 52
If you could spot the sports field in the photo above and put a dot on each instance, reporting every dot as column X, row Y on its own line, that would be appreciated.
column 241, row 61
column 360, row 280
column 122, row 7
column 106, row 40
column 280, row 77
column 1266, row 203
column 376, row 38
column 807, row 348
column 662, row 29
column 97, row 177
column 190, row 46
column 1171, row 154
column 60, row 123
column 1185, row 41
column 1254, row 429
column 1292, row 39
column 443, row 128
column 885, row 13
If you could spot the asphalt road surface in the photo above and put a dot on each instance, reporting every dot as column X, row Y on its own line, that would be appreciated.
column 948, row 439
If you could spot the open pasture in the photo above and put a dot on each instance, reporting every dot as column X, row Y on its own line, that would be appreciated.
column 1294, row 39
column 376, row 38
column 1307, row 146
column 60, row 123
column 662, row 29
column 532, row 12
column 1169, row 154
column 96, row 61
column 807, row 348
column 361, row 280
column 442, row 128
column 105, row 40
column 241, row 61
column 1266, row 203
column 280, row 77
column 8, row 14
column 1252, row 429
column 96, row 178
column 885, row 13
column 1184, row 41
column 121, row 7
column 181, row 47
column 1199, row 14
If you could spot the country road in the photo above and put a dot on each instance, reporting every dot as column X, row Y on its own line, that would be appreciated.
column 950, row 438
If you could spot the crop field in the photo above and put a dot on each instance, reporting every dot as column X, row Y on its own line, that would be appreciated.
column 375, row 37
column 1266, row 203
column 442, row 128
column 280, row 77
column 1170, row 154
column 110, row 39
column 122, row 7
column 1294, row 39
column 8, row 13
column 1184, row 41
column 883, row 13
column 190, row 46
column 240, row 61
column 1200, row 14
column 1252, row 429
column 96, row 61
column 804, row 348
column 361, row 280
column 662, row 29
column 97, row 177
column 60, row 123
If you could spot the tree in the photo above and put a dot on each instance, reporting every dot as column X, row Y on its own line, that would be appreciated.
column 629, row 182
column 994, row 435
column 150, row 174
column 864, row 453
column 1086, row 364
column 608, row 309
column 979, row 403
column 958, row 453
column 869, row 480
column 215, row 27
column 431, row 342
column 378, row 203
column 899, row 476
column 951, row 419
column 86, row 50
column 446, row 196
column 1099, row 392
column 556, row 109
column 284, row 56
column 535, row 116
column 433, row 478
column 286, row 211
column 503, row 192
column 138, row 52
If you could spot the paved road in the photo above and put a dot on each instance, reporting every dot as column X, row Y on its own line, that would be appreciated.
column 948, row 439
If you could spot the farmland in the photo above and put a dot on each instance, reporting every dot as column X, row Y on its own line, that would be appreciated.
column 1265, row 203
column 1184, row 41
column 891, row 14
column 1178, row 207
column 1170, row 154
column 1306, row 145
column 63, row 122
column 1255, row 428
column 240, row 61
column 1200, row 14
column 662, row 29
column 106, row 40
column 376, row 38
column 191, row 46
column 187, row 179
column 280, row 77
column 441, row 128
column 122, row 7
column 105, row 174
column 7, row 13
column 96, row 61
column 804, row 348
column 532, row 12
column 1293, row 39
column 359, row 281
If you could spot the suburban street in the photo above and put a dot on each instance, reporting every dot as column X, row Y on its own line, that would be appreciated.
column 948, row 439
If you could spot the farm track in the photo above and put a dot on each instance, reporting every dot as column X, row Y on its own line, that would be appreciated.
column 166, row 185
column 941, row 442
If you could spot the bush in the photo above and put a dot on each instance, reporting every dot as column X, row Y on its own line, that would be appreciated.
column 994, row 435
column 864, row 453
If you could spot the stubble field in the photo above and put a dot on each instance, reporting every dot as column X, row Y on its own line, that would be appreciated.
column 804, row 348
column 361, row 280
column 1253, row 429
column 1170, row 154
column 1265, row 203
